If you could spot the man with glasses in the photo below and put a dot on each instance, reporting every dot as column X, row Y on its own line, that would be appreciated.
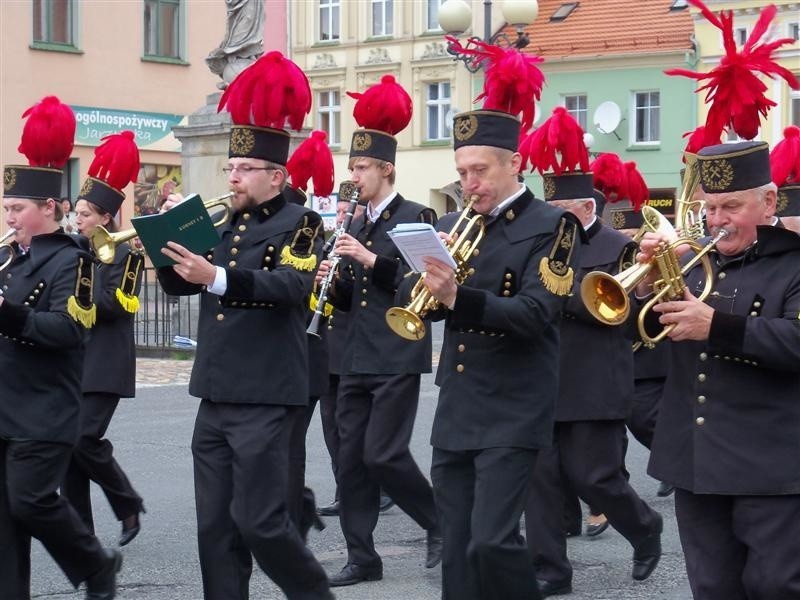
column 727, row 431
column 250, row 371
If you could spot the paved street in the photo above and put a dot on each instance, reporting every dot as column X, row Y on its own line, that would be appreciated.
column 152, row 434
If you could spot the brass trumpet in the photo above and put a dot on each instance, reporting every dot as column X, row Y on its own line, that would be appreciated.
column 105, row 243
column 407, row 321
column 606, row 296
column 5, row 245
column 687, row 211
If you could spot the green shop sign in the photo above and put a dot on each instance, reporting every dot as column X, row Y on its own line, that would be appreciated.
column 153, row 131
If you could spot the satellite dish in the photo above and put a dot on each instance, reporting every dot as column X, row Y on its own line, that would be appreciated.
column 607, row 117
column 588, row 140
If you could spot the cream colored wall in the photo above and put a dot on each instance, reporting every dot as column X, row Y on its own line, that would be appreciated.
column 109, row 73
column 710, row 50
column 413, row 56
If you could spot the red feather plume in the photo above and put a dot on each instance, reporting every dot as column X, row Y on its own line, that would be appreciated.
column 312, row 160
column 116, row 160
column 734, row 89
column 784, row 160
column 386, row 106
column 512, row 81
column 638, row 193
column 610, row 176
column 699, row 139
column 268, row 93
column 556, row 145
column 49, row 133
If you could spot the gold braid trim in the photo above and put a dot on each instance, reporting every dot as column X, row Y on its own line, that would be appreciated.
column 81, row 305
column 305, row 263
column 560, row 285
column 313, row 300
column 554, row 271
column 127, row 302
column 124, row 294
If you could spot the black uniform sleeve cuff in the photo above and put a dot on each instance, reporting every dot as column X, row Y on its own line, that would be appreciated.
column 12, row 318
column 727, row 333
column 469, row 306
column 240, row 284
column 384, row 272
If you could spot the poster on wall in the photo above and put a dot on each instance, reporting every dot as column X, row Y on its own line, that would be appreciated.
column 154, row 184
column 326, row 207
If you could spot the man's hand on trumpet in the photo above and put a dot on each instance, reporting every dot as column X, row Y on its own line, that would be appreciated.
column 692, row 318
column 440, row 279
column 191, row 267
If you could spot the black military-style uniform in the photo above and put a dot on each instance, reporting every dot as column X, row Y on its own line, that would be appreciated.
column 650, row 368
column 727, row 431
column 378, row 389
column 250, row 370
column 594, row 399
column 109, row 373
column 41, row 358
column 498, row 375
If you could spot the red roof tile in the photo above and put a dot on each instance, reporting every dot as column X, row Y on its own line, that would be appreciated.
column 608, row 27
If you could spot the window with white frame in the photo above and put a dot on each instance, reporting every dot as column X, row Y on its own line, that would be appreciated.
column 329, row 14
column 437, row 101
column 382, row 17
column 794, row 31
column 576, row 105
column 740, row 35
column 794, row 108
column 646, row 127
column 432, row 15
column 329, row 108
column 162, row 28
column 53, row 22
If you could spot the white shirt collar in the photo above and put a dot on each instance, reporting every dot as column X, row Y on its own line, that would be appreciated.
column 373, row 215
column 501, row 207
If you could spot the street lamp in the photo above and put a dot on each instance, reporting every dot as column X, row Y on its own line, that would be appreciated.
column 455, row 17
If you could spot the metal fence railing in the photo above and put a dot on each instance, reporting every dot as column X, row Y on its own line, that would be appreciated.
column 162, row 318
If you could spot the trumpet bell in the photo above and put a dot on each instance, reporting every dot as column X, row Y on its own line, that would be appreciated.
column 606, row 296
column 405, row 323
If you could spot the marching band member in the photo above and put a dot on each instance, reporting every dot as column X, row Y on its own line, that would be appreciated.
column 46, row 310
column 251, row 367
column 109, row 369
column 379, row 385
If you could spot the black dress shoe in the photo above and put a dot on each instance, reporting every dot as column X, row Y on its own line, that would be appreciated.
column 332, row 510
column 130, row 529
column 595, row 529
column 554, row 588
column 386, row 503
column 103, row 584
column 434, row 545
column 648, row 552
column 353, row 573
column 664, row 489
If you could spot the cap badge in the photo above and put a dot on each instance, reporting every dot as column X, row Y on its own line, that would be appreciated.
column 9, row 179
column 242, row 141
column 362, row 142
column 87, row 186
column 549, row 188
column 465, row 127
column 716, row 174
column 618, row 219
column 783, row 202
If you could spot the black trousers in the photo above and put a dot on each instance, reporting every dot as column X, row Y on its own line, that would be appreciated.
column 588, row 455
column 740, row 547
column 301, row 502
column 327, row 414
column 375, row 416
column 30, row 474
column 646, row 399
column 480, row 495
column 240, row 456
column 93, row 460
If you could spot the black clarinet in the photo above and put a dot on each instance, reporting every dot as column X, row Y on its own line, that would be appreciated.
column 313, row 327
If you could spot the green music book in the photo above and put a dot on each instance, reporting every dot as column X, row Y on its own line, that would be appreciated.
column 188, row 224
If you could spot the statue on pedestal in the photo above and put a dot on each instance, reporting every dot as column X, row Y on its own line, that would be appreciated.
column 243, row 43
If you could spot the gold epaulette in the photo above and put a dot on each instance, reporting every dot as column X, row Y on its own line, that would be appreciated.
column 300, row 253
column 126, row 292
column 554, row 270
column 80, row 306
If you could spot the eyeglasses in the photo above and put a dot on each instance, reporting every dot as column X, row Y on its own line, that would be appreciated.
column 245, row 169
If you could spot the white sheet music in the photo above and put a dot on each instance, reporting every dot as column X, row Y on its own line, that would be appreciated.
column 416, row 241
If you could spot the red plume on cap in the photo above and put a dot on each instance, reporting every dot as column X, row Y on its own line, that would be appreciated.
column 556, row 145
column 385, row 106
column 735, row 91
column 49, row 133
column 268, row 93
column 512, row 81
column 312, row 160
column 784, row 160
column 116, row 160
column 638, row 193
column 610, row 177
column 699, row 139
